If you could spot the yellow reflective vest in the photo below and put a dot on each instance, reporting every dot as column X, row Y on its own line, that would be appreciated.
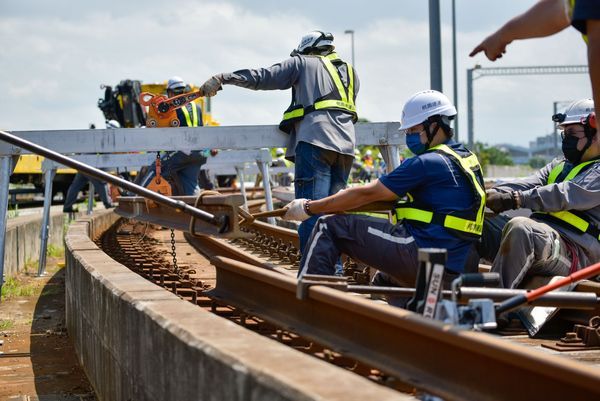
column 471, row 225
column 342, row 98
column 573, row 219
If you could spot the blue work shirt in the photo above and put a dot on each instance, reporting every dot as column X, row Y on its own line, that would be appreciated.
column 436, row 184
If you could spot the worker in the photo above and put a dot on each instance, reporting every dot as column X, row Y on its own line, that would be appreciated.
column 545, row 18
column 562, row 235
column 320, row 119
column 445, row 185
column 181, row 168
column 283, row 179
column 80, row 181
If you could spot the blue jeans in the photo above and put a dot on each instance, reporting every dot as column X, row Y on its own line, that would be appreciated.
column 318, row 173
column 79, row 183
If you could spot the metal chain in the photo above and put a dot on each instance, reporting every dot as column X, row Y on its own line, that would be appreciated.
column 173, row 251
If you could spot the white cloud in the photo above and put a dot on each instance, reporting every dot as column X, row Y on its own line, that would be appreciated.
column 55, row 58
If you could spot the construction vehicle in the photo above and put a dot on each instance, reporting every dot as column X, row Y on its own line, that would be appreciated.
column 120, row 103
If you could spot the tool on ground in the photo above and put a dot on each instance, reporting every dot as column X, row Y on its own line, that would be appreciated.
column 221, row 222
column 162, row 109
column 569, row 300
column 530, row 296
column 430, row 277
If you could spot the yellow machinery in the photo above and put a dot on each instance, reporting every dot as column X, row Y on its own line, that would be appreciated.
column 120, row 103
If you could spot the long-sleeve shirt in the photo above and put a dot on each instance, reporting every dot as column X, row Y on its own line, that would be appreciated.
column 328, row 129
column 581, row 193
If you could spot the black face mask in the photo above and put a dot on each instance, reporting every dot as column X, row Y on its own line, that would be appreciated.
column 569, row 149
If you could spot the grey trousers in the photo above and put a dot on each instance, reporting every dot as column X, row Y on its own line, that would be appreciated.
column 529, row 246
column 375, row 242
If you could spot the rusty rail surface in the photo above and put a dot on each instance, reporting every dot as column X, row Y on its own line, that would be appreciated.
column 451, row 363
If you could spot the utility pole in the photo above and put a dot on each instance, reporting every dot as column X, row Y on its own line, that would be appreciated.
column 351, row 33
column 435, row 45
column 454, row 70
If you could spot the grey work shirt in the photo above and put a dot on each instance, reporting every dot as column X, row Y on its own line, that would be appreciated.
column 328, row 129
column 581, row 193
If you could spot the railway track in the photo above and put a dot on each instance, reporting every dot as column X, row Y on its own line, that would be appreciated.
column 256, row 288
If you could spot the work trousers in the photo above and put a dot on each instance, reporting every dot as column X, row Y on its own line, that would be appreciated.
column 79, row 183
column 530, row 247
column 370, row 240
column 318, row 173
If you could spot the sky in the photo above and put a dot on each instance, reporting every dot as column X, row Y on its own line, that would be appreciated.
column 56, row 54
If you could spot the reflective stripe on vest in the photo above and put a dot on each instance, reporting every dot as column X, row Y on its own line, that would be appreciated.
column 565, row 216
column 191, row 122
column 345, row 101
column 474, row 227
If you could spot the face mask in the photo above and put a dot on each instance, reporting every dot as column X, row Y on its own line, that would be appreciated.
column 413, row 142
column 569, row 149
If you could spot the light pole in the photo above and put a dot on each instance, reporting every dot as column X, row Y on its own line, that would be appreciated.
column 351, row 32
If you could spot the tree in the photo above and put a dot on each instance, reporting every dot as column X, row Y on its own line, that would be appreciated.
column 537, row 162
column 491, row 156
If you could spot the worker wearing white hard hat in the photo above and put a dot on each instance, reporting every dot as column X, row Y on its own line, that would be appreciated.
column 445, row 185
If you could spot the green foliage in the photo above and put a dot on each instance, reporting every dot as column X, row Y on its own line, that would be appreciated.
column 537, row 162
column 13, row 287
column 55, row 251
column 6, row 324
column 12, row 213
column 489, row 155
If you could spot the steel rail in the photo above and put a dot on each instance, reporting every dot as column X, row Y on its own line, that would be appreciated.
column 454, row 364
column 221, row 222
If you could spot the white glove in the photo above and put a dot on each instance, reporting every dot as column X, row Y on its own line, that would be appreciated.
column 296, row 210
column 212, row 86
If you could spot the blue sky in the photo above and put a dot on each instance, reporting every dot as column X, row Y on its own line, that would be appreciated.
column 56, row 54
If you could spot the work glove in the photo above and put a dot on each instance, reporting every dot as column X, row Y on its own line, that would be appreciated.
column 296, row 210
column 499, row 201
column 212, row 86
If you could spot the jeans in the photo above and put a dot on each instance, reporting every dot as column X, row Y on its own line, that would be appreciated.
column 318, row 173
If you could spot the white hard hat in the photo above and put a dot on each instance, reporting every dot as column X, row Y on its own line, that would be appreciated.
column 175, row 83
column 111, row 124
column 423, row 105
column 368, row 152
column 279, row 151
column 315, row 40
column 575, row 113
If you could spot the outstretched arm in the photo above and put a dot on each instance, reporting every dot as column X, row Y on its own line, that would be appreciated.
column 545, row 18
column 593, row 32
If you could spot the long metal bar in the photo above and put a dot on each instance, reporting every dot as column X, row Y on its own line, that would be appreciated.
column 438, row 358
column 48, row 177
column 264, row 170
column 570, row 300
column 240, row 175
column 5, row 171
column 186, row 138
column 103, row 176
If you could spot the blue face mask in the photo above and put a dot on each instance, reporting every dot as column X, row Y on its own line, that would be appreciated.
column 413, row 141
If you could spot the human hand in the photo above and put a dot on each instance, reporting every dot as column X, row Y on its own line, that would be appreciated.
column 494, row 46
column 212, row 86
column 296, row 210
column 499, row 201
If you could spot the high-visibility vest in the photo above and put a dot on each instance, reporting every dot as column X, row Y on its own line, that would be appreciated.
column 342, row 98
column 191, row 121
column 571, row 7
column 470, row 225
column 573, row 219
